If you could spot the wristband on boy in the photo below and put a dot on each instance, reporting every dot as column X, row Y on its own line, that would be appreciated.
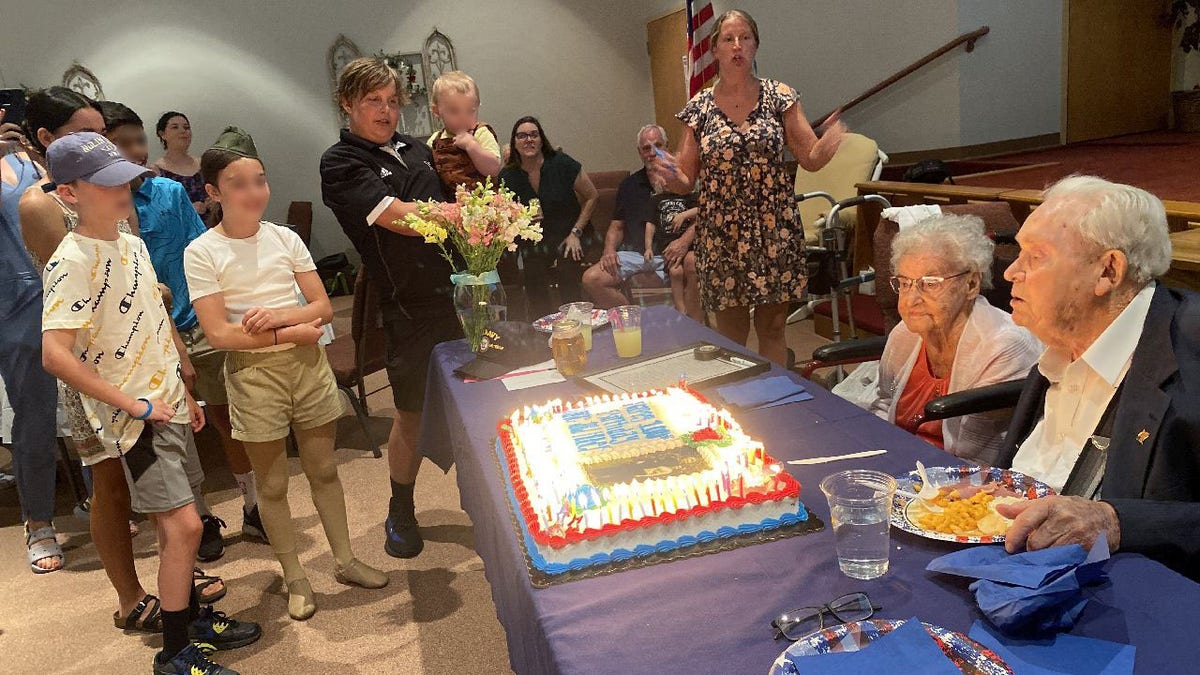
column 149, row 409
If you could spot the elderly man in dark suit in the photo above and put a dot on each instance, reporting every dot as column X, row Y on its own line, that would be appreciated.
column 1110, row 416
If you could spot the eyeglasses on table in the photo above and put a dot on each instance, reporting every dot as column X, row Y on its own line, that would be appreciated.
column 804, row 621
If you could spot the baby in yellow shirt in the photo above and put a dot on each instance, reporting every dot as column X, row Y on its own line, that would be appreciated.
column 465, row 151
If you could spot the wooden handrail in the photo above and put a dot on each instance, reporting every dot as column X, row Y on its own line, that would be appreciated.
column 968, row 38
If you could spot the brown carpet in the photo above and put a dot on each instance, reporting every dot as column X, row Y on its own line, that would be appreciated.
column 436, row 615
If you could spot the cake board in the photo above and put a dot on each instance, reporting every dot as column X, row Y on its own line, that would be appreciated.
column 540, row 579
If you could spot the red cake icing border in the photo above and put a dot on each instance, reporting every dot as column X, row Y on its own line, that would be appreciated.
column 787, row 487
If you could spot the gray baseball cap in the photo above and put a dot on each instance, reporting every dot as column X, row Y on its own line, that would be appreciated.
column 92, row 158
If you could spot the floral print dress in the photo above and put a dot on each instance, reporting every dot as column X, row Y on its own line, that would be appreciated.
column 750, row 242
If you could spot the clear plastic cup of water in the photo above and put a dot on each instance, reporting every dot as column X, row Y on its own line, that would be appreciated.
column 581, row 312
column 859, row 503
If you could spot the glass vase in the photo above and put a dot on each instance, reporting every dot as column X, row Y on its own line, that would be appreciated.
column 479, row 300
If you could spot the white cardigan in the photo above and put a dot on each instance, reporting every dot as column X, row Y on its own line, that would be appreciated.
column 991, row 349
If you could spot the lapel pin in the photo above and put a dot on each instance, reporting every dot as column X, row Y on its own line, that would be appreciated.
column 1142, row 436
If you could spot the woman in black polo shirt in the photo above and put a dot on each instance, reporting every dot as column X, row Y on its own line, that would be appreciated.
column 535, row 170
column 370, row 179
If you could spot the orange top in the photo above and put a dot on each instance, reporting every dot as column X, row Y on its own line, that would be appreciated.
column 921, row 388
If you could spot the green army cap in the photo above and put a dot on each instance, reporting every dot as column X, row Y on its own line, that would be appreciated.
column 236, row 141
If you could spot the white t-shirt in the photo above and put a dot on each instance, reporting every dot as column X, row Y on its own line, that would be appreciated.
column 258, row 271
column 108, row 293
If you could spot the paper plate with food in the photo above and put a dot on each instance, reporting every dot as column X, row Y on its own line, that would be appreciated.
column 964, row 507
column 546, row 323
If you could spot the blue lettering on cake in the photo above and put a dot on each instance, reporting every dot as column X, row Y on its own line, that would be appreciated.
column 578, row 415
column 591, row 441
column 640, row 412
column 628, row 424
column 655, row 430
column 582, row 427
column 616, row 424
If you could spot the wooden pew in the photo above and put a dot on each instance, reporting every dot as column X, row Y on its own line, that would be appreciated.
column 1183, row 219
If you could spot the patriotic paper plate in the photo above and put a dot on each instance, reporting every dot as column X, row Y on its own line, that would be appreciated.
column 966, row 654
column 546, row 323
column 905, row 512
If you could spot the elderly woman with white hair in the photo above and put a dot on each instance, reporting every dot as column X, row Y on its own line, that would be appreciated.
column 951, row 339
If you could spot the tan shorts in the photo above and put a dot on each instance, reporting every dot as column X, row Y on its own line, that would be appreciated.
column 209, row 364
column 270, row 392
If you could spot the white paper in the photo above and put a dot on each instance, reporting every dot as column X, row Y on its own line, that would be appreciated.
column 542, row 373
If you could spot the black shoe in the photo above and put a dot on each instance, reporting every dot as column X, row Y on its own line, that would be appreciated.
column 403, row 539
column 213, row 631
column 252, row 524
column 189, row 661
column 212, row 544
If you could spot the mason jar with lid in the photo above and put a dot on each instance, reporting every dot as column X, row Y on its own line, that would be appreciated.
column 566, row 343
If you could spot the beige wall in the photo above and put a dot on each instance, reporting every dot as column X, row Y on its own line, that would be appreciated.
column 261, row 65
column 833, row 50
column 581, row 66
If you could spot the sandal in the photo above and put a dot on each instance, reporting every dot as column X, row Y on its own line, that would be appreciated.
column 145, row 618
column 207, row 581
column 41, row 544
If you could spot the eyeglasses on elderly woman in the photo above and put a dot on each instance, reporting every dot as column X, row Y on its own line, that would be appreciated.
column 926, row 285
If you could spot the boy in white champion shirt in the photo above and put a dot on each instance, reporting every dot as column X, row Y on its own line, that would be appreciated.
column 106, row 333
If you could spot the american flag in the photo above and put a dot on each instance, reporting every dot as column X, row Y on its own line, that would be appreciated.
column 701, row 68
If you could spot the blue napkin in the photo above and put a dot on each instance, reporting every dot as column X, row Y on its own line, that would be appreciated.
column 1030, row 569
column 1057, row 654
column 1036, row 592
column 757, row 392
column 907, row 649
column 794, row 398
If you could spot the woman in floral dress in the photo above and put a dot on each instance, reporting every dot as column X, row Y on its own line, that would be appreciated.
column 750, row 248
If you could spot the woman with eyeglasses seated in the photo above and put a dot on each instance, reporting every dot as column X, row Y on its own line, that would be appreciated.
column 537, row 170
column 950, row 338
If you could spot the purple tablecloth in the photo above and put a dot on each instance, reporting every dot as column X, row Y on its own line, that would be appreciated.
column 710, row 614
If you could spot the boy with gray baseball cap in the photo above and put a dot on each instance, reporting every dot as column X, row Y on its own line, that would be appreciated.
column 106, row 333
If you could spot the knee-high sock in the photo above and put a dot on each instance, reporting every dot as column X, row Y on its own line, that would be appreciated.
column 320, row 466
column 270, row 466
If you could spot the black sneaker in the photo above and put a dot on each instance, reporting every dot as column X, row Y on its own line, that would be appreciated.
column 403, row 539
column 213, row 631
column 212, row 544
column 189, row 661
column 252, row 524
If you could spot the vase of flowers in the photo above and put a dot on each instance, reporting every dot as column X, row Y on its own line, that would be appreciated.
column 481, row 224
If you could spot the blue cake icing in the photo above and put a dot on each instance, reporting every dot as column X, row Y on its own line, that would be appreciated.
column 540, row 563
column 610, row 428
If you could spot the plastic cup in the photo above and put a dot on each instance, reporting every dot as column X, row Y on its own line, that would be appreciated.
column 859, row 504
column 581, row 312
column 626, row 323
